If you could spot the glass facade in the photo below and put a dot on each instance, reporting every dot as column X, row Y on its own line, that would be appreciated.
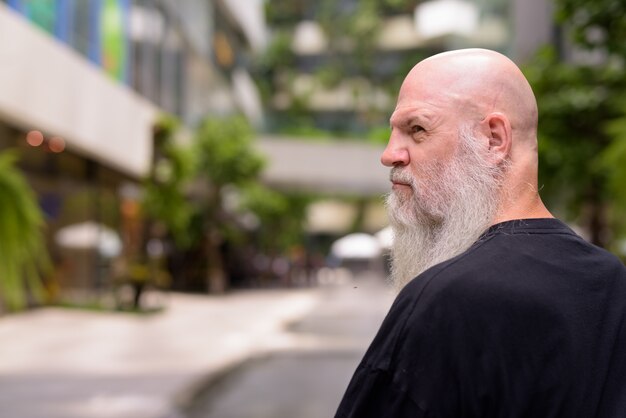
column 134, row 41
column 97, row 29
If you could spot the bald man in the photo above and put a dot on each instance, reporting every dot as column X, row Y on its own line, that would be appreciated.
column 502, row 311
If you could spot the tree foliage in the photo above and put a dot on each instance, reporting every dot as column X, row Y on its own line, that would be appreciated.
column 164, row 190
column 595, row 25
column 23, row 252
column 223, row 148
column 206, row 191
column 582, row 119
column 280, row 216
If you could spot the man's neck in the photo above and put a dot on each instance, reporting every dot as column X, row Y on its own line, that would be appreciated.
column 527, row 205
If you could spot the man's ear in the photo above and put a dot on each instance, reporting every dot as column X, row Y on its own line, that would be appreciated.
column 498, row 129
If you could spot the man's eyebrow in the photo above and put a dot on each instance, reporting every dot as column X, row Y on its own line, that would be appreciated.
column 409, row 115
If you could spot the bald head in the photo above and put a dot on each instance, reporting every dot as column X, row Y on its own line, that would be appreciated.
column 463, row 156
column 477, row 97
column 476, row 82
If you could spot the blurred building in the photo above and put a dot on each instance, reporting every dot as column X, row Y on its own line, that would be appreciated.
column 83, row 83
column 341, row 62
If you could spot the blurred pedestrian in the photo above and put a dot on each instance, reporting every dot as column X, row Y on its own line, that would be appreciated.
column 503, row 311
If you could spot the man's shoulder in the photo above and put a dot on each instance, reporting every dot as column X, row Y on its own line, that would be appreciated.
column 458, row 272
column 494, row 272
column 517, row 260
column 520, row 273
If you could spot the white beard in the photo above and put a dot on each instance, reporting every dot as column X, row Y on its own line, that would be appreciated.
column 450, row 205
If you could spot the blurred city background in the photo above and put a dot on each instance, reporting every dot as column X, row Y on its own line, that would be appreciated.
column 191, row 218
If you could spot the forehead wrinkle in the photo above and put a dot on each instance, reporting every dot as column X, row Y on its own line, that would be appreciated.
column 403, row 114
column 453, row 89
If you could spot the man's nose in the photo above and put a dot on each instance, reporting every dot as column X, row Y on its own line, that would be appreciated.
column 395, row 153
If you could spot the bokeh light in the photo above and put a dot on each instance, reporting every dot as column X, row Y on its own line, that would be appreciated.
column 34, row 138
column 56, row 144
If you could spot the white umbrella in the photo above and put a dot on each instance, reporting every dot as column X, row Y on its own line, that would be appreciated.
column 88, row 235
column 385, row 237
column 357, row 245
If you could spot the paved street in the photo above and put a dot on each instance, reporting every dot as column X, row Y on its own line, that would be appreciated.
column 61, row 363
column 303, row 380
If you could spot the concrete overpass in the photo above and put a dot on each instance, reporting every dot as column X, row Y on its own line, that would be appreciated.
column 336, row 167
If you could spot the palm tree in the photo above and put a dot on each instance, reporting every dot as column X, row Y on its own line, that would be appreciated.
column 23, row 254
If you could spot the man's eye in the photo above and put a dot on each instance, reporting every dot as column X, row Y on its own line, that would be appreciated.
column 416, row 130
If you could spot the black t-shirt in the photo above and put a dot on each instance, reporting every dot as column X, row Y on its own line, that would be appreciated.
column 528, row 322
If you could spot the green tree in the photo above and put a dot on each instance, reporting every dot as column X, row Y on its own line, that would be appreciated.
column 577, row 105
column 281, row 216
column 203, row 193
column 595, row 25
column 225, row 160
column 582, row 119
column 24, row 256
column 165, row 195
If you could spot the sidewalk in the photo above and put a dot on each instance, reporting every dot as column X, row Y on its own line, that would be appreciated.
column 308, row 371
column 66, row 363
